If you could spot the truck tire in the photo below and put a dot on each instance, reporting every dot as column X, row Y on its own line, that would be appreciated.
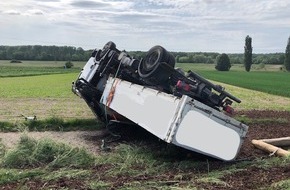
column 150, row 67
column 107, row 47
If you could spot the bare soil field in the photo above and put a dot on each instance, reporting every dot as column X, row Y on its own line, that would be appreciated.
column 264, row 124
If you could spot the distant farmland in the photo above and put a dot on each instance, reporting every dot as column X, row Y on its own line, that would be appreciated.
column 270, row 79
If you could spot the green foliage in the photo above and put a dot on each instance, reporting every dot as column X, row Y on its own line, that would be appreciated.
column 68, row 65
column 31, row 153
column 248, row 53
column 63, row 53
column 196, row 57
column 45, row 53
column 15, row 61
column 287, row 56
column 223, row 62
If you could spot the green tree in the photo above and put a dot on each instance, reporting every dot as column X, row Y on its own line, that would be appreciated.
column 18, row 55
column 248, row 53
column 287, row 56
column 223, row 62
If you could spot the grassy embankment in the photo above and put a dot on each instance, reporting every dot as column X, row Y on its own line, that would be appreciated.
column 45, row 164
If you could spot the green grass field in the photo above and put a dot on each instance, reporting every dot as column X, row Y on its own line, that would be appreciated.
column 49, row 95
column 45, row 164
column 269, row 80
column 33, row 68
column 43, row 86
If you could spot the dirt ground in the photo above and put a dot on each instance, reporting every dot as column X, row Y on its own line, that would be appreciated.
column 276, row 124
column 264, row 124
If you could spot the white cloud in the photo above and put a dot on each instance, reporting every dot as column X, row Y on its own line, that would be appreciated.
column 185, row 25
column 11, row 12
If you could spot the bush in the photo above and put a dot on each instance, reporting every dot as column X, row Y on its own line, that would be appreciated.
column 68, row 65
column 15, row 61
column 223, row 62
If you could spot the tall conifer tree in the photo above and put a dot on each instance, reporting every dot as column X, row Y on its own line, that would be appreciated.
column 248, row 53
column 287, row 56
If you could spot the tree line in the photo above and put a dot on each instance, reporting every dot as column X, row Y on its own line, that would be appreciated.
column 44, row 53
column 69, row 53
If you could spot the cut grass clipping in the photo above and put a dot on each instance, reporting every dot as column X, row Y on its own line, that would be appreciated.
column 51, row 124
column 30, row 153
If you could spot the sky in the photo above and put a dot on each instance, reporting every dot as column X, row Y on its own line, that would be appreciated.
column 177, row 25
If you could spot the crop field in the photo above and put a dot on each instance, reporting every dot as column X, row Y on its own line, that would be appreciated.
column 32, row 68
column 138, row 160
column 270, row 79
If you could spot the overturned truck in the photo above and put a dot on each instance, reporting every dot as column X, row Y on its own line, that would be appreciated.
column 180, row 108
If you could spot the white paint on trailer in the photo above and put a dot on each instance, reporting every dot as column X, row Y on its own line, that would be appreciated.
column 199, row 133
column 184, row 121
column 152, row 110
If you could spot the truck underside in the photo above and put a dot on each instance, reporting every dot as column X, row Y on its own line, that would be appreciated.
column 180, row 108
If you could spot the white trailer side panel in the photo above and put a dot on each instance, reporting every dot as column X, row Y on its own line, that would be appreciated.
column 184, row 121
column 152, row 110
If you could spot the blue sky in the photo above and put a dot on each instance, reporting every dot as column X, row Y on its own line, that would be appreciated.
column 178, row 25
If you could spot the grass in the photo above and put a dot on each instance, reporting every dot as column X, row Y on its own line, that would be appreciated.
column 54, row 92
column 33, row 68
column 42, row 64
column 253, row 99
column 14, row 175
column 269, row 80
column 274, row 83
column 44, row 86
column 30, row 153
column 141, row 166
column 51, row 124
column 33, row 71
column 275, row 161
column 284, row 184
column 251, row 121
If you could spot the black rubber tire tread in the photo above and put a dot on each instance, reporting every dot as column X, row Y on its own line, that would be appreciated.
column 163, row 56
column 150, row 68
column 171, row 60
